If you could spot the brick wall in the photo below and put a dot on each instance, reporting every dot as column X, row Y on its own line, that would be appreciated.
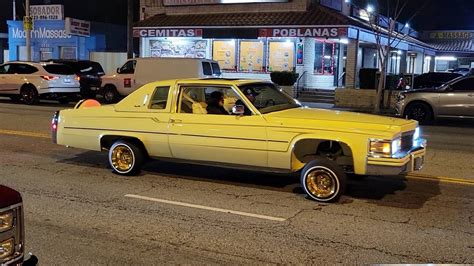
column 351, row 63
column 153, row 7
column 360, row 99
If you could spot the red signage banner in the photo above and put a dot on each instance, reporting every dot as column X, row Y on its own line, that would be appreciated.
column 160, row 32
column 303, row 32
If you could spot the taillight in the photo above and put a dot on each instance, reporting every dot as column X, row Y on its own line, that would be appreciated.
column 77, row 78
column 50, row 78
column 54, row 127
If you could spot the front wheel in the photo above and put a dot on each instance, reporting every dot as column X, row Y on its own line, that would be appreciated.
column 126, row 158
column 323, row 180
column 420, row 112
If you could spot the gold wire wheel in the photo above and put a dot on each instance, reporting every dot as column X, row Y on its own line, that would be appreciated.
column 122, row 158
column 321, row 183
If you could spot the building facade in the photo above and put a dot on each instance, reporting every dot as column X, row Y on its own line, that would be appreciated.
column 327, row 42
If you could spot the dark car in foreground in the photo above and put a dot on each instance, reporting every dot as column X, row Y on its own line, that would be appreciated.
column 433, row 79
column 89, row 72
column 453, row 99
column 12, row 231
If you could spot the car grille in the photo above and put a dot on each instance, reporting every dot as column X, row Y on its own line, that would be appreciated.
column 407, row 141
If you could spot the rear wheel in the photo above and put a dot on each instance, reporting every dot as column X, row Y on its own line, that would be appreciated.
column 110, row 94
column 323, row 180
column 420, row 112
column 126, row 158
column 29, row 95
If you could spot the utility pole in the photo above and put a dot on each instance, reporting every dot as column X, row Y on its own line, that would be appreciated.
column 14, row 9
column 129, row 29
column 28, row 29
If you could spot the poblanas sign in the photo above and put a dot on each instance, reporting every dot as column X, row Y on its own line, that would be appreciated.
column 304, row 32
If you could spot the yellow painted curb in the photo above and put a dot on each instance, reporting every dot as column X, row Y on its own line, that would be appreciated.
column 24, row 133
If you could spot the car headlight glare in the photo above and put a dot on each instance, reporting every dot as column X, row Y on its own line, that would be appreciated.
column 385, row 148
column 7, row 248
column 6, row 221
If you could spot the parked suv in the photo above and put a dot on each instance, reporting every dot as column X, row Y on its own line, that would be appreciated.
column 433, row 79
column 12, row 231
column 89, row 72
column 28, row 82
column 140, row 71
column 454, row 99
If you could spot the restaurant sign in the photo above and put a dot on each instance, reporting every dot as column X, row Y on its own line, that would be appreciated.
column 214, row 2
column 304, row 32
column 160, row 32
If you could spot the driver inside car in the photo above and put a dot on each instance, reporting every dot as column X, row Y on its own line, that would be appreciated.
column 251, row 94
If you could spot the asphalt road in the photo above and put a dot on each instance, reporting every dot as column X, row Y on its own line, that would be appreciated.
column 79, row 213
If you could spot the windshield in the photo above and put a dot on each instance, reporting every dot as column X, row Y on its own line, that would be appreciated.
column 268, row 98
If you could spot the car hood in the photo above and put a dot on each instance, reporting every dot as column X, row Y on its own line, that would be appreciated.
column 341, row 120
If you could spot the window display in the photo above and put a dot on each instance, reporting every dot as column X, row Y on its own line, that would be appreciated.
column 224, row 53
column 251, row 56
column 324, row 57
column 178, row 48
column 282, row 56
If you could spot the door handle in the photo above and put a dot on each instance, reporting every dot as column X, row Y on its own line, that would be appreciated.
column 175, row 121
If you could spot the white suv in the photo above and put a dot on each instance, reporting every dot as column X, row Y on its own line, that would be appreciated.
column 28, row 82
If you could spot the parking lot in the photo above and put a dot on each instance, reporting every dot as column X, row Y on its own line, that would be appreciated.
column 79, row 212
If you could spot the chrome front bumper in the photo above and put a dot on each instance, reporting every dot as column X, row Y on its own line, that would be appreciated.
column 412, row 162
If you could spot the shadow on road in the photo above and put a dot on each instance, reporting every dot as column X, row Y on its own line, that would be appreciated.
column 384, row 191
column 45, row 103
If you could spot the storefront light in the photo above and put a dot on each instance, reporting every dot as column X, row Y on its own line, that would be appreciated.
column 446, row 58
column 344, row 41
column 370, row 8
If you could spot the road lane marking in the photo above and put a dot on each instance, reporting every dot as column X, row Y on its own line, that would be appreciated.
column 443, row 179
column 24, row 133
column 202, row 207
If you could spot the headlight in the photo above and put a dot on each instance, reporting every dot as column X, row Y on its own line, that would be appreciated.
column 385, row 148
column 417, row 134
column 7, row 248
column 6, row 221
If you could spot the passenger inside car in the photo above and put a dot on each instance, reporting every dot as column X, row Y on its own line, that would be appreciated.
column 215, row 104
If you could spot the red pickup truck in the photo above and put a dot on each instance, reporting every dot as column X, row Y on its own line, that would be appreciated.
column 12, row 230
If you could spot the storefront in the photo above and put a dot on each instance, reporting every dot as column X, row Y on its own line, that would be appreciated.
column 324, row 45
column 49, row 40
column 455, row 49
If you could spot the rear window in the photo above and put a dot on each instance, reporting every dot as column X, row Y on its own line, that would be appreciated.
column 216, row 70
column 59, row 69
column 90, row 68
column 206, row 69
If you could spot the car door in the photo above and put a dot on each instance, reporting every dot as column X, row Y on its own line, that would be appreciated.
column 223, row 138
column 126, row 74
column 6, row 79
column 458, row 99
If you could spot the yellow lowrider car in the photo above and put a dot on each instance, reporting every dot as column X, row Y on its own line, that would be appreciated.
column 268, row 131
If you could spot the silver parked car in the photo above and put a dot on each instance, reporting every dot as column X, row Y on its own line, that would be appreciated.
column 453, row 99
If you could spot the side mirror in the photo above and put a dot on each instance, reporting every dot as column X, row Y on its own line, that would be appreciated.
column 118, row 70
column 238, row 110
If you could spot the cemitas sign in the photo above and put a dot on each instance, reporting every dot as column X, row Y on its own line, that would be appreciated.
column 160, row 32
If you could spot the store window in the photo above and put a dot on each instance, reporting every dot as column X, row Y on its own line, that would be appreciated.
column 223, row 51
column 46, row 53
column 251, row 57
column 68, row 52
column 177, row 47
column 282, row 56
column 325, row 57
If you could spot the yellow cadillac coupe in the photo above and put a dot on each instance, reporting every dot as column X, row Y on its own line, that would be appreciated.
column 242, row 124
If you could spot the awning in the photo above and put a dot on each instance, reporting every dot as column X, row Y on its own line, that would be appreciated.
column 319, row 22
column 454, row 46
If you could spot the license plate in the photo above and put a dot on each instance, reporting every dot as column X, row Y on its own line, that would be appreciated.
column 66, row 80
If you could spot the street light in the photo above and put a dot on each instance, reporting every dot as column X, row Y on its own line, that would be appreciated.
column 370, row 8
column 407, row 25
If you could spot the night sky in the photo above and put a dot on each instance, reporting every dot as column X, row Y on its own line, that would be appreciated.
column 438, row 14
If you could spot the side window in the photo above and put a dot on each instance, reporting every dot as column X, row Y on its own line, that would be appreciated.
column 25, row 69
column 160, row 98
column 203, row 100
column 4, row 69
column 206, row 69
column 464, row 85
column 129, row 67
